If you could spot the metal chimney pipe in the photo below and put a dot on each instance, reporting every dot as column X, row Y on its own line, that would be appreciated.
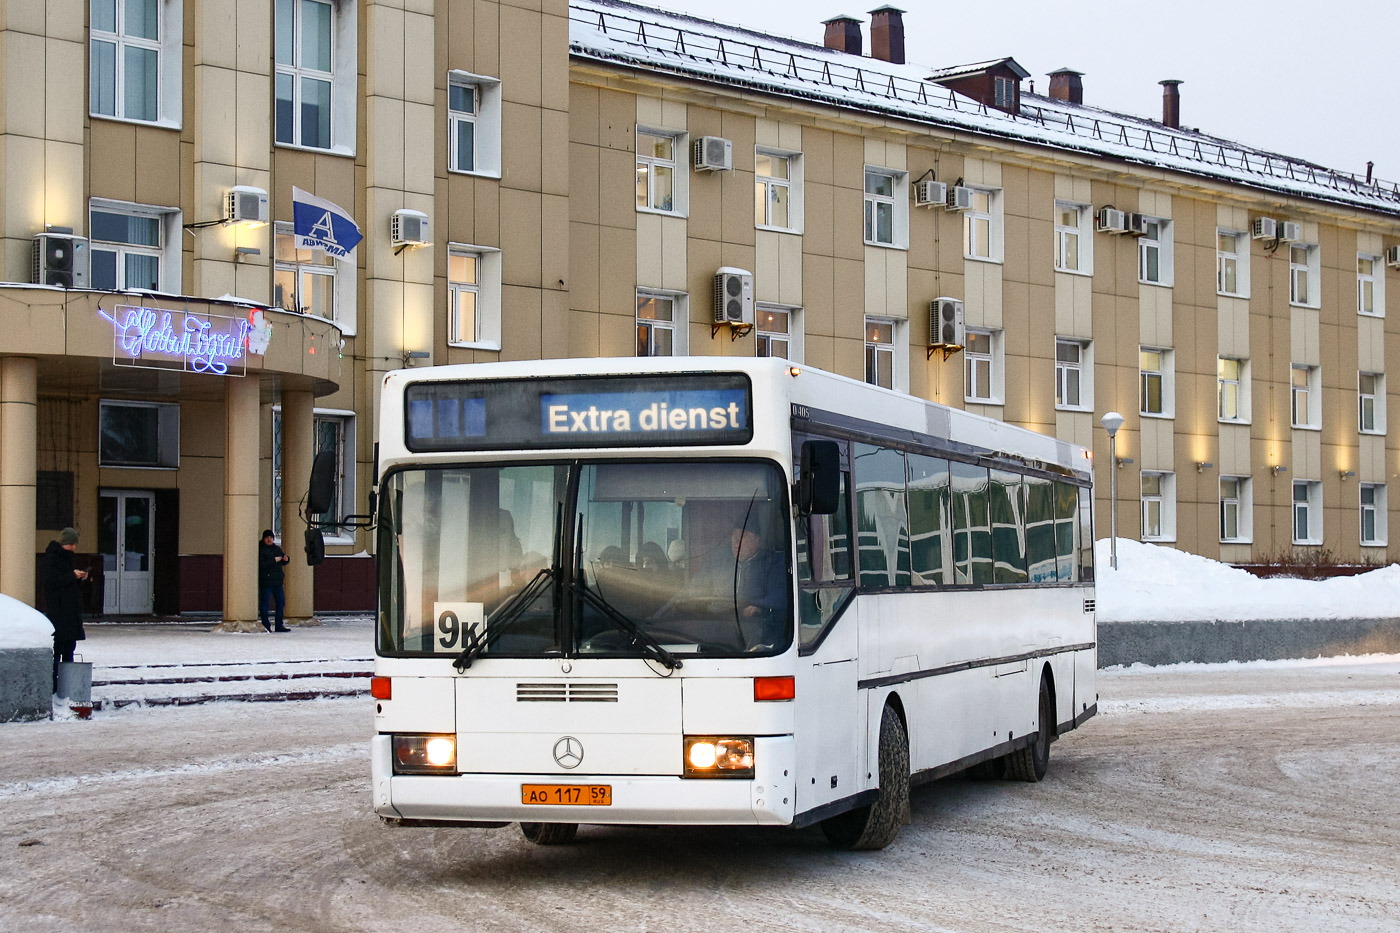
column 843, row 35
column 1171, row 103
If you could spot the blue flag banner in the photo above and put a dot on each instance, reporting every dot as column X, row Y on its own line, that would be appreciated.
column 319, row 224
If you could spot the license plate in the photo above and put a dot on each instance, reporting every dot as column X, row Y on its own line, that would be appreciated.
column 573, row 795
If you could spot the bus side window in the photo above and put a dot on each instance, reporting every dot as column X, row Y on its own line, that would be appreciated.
column 882, row 535
column 823, row 567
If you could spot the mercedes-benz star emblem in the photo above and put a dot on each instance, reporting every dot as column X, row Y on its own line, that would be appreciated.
column 568, row 752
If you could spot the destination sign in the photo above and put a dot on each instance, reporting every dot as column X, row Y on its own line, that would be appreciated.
column 580, row 411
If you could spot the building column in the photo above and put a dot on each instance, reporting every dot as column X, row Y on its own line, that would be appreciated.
column 241, row 451
column 298, row 449
column 19, row 421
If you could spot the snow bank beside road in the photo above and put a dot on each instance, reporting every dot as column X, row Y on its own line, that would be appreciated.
column 23, row 626
column 1154, row 583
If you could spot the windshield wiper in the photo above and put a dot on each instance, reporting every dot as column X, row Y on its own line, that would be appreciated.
column 640, row 638
column 504, row 616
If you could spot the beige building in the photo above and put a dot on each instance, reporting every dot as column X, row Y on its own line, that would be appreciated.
column 526, row 178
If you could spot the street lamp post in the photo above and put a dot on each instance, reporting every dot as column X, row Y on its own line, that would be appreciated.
column 1111, row 423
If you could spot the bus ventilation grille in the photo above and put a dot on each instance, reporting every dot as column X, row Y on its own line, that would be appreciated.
column 1089, row 605
column 565, row 693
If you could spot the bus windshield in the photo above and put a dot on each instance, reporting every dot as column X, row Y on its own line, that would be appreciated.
column 567, row 557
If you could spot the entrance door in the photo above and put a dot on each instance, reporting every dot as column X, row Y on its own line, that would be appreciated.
column 125, row 534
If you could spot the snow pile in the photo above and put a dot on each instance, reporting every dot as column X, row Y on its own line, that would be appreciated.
column 22, row 626
column 1161, row 584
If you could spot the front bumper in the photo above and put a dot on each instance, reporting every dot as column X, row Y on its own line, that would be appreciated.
column 768, row 799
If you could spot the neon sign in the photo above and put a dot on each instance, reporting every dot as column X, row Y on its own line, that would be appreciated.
column 154, row 338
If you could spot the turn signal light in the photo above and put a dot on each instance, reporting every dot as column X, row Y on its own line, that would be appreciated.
column 774, row 688
column 381, row 688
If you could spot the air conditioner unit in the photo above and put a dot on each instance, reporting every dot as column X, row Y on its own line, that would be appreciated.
column 245, row 205
column 61, row 259
column 946, row 327
column 1112, row 220
column 409, row 228
column 1265, row 228
column 1289, row 232
column 733, row 296
column 1392, row 256
column 959, row 198
column 1136, row 224
column 927, row 193
column 713, row 154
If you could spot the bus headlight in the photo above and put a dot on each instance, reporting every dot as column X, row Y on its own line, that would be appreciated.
column 425, row 754
column 717, row 756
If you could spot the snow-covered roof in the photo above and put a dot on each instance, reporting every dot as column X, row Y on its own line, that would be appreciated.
column 640, row 37
column 958, row 71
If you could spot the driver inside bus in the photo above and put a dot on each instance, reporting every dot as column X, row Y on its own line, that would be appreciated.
column 760, row 585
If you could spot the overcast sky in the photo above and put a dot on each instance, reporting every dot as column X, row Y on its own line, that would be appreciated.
column 1310, row 80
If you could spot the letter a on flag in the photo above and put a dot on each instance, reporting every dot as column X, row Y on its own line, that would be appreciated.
column 319, row 224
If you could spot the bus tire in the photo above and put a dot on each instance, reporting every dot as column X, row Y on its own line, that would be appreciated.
column 549, row 834
column 876, row 825
column 1031, row 762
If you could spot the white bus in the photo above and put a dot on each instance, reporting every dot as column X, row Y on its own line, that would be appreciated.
column 723, row 591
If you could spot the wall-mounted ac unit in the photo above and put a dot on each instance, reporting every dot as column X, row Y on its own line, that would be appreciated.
column 1289, row 232
column 61, row 259
column 1265, row 228
column 959, row 198
column 928, row 193
column 713, row 154
column 1112, row 220
column 946, row 327
column 733, row 296
column 1392, row 256
column 245, row 205
column 1137, row 224
column 409, row 228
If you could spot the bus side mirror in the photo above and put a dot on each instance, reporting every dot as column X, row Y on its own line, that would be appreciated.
column 819, row 478
column 322, row 488
column 315, row 547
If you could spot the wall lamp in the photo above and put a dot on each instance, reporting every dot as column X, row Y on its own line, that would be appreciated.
column 1279, row 469
column 411, row 357
column 1203, row 465
column 1345, row 474
column 1124, row 461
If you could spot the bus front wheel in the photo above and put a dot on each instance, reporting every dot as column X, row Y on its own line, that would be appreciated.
column 875, row 826
column 549, row 834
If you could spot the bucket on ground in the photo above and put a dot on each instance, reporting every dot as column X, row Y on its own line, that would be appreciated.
column 75, row 685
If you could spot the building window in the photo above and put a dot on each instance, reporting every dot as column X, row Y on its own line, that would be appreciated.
column 138, row 434
column 473, row 296
column 1370, row 285
column 1155, row 382
column 1373, row 514
column 879, row 352
column 303, row 280
column 1307, row 512
column 1303, row 275
column 1232, row 263
column 135, row 60
column 1073, row 240
column 315, row 79
column 1158, row 506
column 1155, row 253
column 777, row 190
column 53, row 498
column 982, row 226
column 660, row 174
column 1306, row 405
column 1233, row 389
column 661, row 320
column 979, row 367
column 335, row 433
column 1072, row 388
column 1235, row 507
column 882, row 203
column 1371, row 403
column 1004, row 93
column 133, row 247
column 779, row 332
column 473, row 124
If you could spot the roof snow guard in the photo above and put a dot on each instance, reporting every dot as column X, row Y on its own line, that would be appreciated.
column 655, row 40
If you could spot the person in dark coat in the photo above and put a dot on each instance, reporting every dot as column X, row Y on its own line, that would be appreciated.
column 270, row 561
column 63, row 597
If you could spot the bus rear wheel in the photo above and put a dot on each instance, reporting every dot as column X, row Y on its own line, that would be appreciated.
column 549, row 834
column 875, row 826
column 1031, row 762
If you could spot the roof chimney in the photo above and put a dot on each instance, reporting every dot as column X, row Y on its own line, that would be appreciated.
column 887, row 34
column 843, row 34
column 1171, row 103
column 1065, row 85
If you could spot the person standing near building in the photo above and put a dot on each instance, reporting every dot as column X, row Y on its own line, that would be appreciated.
column 270, row 561
column 63, row 597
